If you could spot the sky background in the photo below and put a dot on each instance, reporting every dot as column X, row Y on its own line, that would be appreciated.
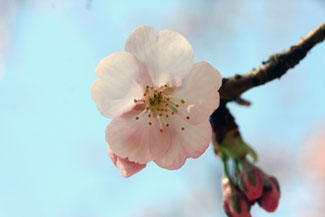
column 53, row 154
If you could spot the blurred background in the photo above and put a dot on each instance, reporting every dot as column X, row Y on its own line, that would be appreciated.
column 53, row 155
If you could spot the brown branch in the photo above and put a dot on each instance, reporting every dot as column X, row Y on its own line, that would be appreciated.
column 276, row 66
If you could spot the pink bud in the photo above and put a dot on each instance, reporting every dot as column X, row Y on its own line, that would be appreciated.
column 234, row 204
column 253, row 182
column 271, row 195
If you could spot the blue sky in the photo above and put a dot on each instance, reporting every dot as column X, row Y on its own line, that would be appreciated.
column 54, row 160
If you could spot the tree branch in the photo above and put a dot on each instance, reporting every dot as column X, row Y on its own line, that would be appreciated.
column 276, row 66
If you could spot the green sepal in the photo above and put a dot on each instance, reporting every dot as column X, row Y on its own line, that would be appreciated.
column 253, row 154
column 233, row 145
column 267, row 184
column 235, row 203
column 241, row 185
column 251, row 177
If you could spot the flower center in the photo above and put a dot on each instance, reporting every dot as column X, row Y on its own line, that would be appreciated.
column 161, row 104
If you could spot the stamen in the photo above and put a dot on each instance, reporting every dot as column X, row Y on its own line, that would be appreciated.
column 167, row 124
column 182, row 101
column 183, row 128
column 160, row 124
column 188, row 117
column 161, row 130
column 150, row 123
column 137, row 118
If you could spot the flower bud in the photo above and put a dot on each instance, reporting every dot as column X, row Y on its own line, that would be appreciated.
column 252, row 183
column 234, row 204
column 271, row 195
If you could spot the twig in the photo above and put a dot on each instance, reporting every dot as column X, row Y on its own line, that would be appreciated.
column 276, row 66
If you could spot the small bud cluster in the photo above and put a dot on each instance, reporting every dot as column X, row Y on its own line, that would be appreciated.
column 244, row 184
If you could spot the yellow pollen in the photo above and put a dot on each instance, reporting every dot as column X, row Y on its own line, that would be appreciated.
column 182, row 128
column 188, row 117
column 182, row 101
column 136, row 118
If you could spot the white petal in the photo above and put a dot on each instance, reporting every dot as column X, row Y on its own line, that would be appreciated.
column 122, row 78
column 136, row 139
column 199, row 90
column 168, row 57
column 188, row 143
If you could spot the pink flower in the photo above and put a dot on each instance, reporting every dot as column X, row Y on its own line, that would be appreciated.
column 234, row 204
column 253, row 182
column 158, row 100
column 269, row 200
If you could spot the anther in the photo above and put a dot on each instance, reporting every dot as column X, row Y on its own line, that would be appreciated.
column 136, row 118
column 182, row 101
column 144, row 94
column 177, row 105
column 149, row 115
column 161, row 130
column 150, row 123
column 188, row 117
column 166, row 116
column 147, row 86
column 160, row 114
column 167, row 125
column 135, row 100
column 182, row 128
column 173, row 113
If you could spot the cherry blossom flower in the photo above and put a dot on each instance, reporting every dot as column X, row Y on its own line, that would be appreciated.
column 158, row 99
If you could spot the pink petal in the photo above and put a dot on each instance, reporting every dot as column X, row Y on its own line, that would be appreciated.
column 168, row 56
column 200, row 92
column 188, row 143
column 122, row 78
column 136, row 139
column 128, row 168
